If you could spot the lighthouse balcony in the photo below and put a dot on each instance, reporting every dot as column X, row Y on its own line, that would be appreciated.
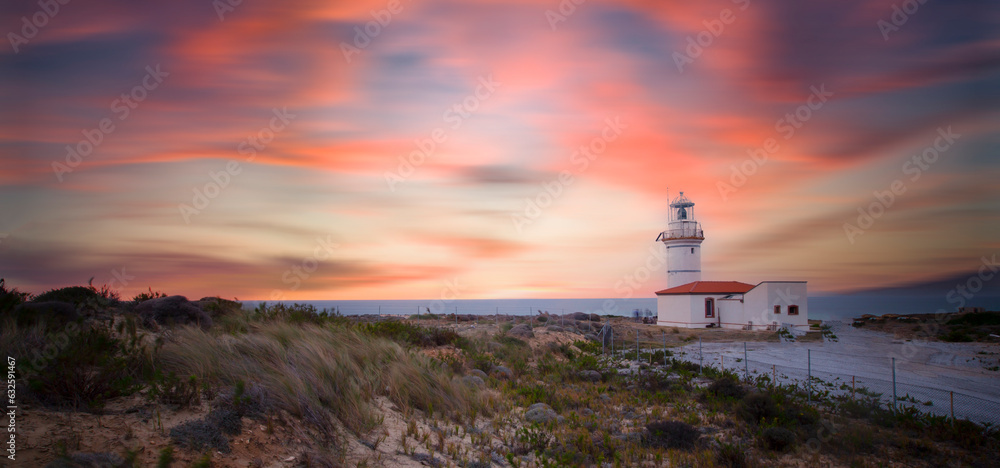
column 686, row 232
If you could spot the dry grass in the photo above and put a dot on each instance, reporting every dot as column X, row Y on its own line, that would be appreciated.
column 312, row 371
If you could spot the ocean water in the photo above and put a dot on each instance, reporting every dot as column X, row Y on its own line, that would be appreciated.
column 827, row 307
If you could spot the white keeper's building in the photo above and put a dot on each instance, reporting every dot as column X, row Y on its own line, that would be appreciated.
column 692, row 303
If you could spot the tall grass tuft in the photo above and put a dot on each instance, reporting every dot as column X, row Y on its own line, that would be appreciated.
column 319, row 373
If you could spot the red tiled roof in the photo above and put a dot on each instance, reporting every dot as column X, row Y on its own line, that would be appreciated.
column 708, row 287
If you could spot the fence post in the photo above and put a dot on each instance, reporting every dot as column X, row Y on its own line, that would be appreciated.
column 746, row 363
column 722, row 363
column 774, row 375
column 952, row 409
column 636, row 345
column 852, row 387
column 809, row 357
column 893, row 385
column 701, row 357
column 664, row 348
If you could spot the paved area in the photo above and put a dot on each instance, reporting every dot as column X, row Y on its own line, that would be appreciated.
column 925, row 371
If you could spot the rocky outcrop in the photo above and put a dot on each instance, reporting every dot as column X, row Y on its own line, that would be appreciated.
column 172, row 310
column 521, row 331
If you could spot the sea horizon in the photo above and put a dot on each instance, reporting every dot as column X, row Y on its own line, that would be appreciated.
column 832, row 307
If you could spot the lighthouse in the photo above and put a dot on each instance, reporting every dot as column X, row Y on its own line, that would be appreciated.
column 682, row 239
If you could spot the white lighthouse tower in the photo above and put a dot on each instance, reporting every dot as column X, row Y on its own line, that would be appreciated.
column 683, row 239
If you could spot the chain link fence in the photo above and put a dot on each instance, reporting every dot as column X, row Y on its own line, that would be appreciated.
column 823, row 377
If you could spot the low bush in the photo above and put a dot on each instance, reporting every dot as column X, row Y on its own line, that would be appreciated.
column 415, row 334
column 778, row 439
column 671, row 435
column 727, row 388
column 91, row 367
column 758, row 407
column 10, row 298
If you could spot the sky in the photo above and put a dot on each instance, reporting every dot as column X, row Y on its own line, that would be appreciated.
column 417, row 149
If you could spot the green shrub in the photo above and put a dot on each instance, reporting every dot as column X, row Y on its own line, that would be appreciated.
column 279, row 312
column 758, row 407
column 93, row 367
column 778, row 439
column 726, row 387
column 76, row 295
column 977, row 319
column 147, row 296
column 10, row 298
column 733, row 456
column 166, row 457
column 416, row 335
column 671, row 435
column 959, row 335
column 172, row 390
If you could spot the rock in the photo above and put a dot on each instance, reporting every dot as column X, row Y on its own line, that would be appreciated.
column 51, row 312
column 587, row 412
column 502, row 373
column 478, row 373
column 474, row 381
column 555, row 328
column 172, row 310
column 592, row 337
column 540, row 413
column 521, row 331
column 604, row 397
column 590, row 375
column 90, row 460
column 579, row 316
column 584, row 326
column 595, row 318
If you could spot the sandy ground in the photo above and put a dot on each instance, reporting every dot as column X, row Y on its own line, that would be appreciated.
column 925, row 370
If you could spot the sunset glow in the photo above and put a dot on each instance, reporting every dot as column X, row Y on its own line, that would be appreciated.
column 393, row 149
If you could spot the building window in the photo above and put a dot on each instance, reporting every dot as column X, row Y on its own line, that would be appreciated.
column 793, row 310
column 692, row 249
column 709, row 308
column 777, row 309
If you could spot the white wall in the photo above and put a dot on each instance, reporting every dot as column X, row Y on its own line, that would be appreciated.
column 686, row 310
column 759, row 304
